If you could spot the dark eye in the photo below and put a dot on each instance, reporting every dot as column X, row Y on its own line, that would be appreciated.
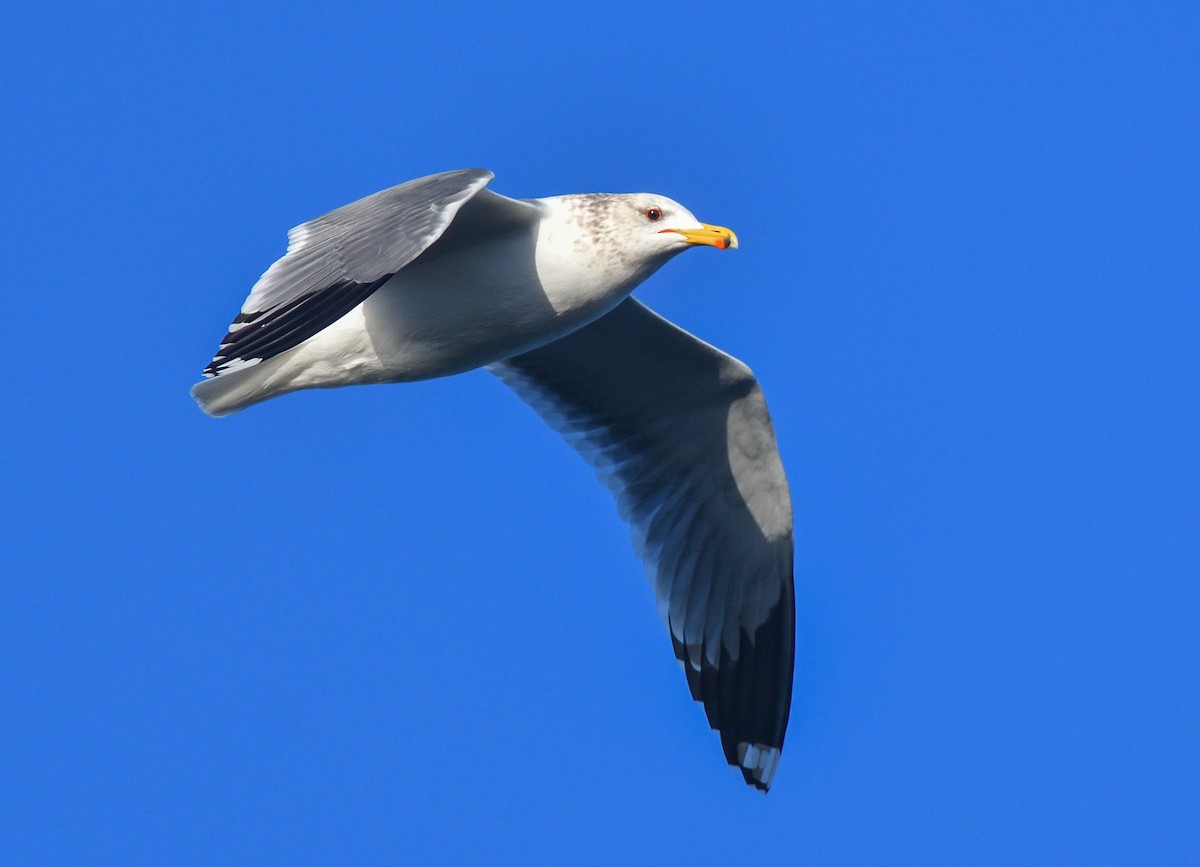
column 653, row 215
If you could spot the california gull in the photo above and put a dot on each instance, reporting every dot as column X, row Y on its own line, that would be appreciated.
column 441, row 275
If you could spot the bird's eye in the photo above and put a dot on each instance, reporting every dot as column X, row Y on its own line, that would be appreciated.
column 653, row 215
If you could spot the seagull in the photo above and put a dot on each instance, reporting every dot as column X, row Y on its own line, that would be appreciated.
column 441, row 275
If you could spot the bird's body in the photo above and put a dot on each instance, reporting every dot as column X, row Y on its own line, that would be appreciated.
column 439, row 276
column 451, row 310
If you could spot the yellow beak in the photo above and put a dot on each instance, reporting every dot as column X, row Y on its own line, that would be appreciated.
column 714, row 236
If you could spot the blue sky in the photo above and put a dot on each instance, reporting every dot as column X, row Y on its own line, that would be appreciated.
column 403, row 624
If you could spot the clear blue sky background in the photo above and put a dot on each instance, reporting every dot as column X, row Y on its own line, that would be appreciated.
column 403, row 624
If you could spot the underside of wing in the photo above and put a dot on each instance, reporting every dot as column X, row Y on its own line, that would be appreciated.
column 335, row 261
column 679, row 431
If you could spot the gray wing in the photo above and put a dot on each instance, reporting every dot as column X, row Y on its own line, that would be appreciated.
column 335, row 261
column 679, row 431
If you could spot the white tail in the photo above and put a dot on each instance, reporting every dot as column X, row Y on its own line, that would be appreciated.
column 235, row 390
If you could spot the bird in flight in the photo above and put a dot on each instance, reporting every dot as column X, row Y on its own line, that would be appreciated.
column 441, row 275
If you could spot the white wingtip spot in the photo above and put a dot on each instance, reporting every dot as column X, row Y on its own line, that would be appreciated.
column 233, row 365
column 759, row 761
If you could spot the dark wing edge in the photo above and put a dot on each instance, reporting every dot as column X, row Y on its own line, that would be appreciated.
column 679, row 432
column 334, row 262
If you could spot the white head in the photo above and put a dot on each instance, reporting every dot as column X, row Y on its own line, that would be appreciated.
column 664, row 225
column 635, row 229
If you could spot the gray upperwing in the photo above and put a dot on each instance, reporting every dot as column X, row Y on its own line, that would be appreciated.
column 680, row 432
column 335, row 261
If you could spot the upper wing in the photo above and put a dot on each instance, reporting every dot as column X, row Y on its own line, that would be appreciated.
column 679, row 431
column 335, row 261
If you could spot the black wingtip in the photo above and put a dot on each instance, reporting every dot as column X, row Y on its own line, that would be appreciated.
column 747, row 695
column 264, row 335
